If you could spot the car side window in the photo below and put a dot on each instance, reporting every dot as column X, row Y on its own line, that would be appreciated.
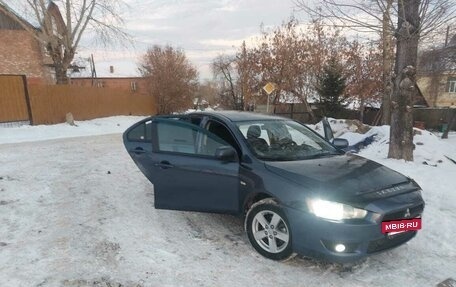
column 195, row 120
column 141, row 133
column 244, row 128
column 185, row 138
column 222, row 132
column 301, row 139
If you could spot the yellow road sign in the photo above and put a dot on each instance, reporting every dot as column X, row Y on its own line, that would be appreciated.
column 269, row 88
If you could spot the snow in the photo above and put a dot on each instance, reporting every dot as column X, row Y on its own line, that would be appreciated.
column 76, row 211
column 26, row 133
column 338, row 126
column 349, row 131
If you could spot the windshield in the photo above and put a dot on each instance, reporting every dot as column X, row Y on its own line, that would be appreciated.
column 283, row 140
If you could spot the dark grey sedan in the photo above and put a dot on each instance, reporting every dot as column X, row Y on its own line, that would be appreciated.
column 298, row 192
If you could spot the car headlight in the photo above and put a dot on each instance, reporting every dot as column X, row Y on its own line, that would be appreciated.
column 334, row 210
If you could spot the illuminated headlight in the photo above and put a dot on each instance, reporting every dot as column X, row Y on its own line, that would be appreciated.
column 339, row 247
column 334, row 210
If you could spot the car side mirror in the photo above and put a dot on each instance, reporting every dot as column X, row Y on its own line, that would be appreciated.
column 340, row 143
column 226, row 154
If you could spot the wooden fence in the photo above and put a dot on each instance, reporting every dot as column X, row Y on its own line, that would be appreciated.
column 49, row 104
column 434, row 118
column 13, row 99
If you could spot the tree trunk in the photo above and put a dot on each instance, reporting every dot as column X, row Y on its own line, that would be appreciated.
column 387, row 43
column 404, row 89
column 62, row 57
column 61, row 76
column 310, row 111
column 361, row 110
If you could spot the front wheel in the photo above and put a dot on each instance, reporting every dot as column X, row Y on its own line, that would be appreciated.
column 268, row 230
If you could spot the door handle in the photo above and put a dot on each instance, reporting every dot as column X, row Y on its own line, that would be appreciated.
column 164, row 164
column 139, row 150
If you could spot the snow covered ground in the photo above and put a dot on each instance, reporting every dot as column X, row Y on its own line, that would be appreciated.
column 77, row 212
column 102, row 126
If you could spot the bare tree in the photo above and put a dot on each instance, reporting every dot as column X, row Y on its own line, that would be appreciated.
column 171, row 78
column 368, row 16
column 61, row 33
column 208, row 91
column 380, row 16
column 414, row 19
column 247, row 76
column 408, row 35
column 224, row 69
column 362, row 69
column 387, row 61
column 292, row 59
column 438, row 60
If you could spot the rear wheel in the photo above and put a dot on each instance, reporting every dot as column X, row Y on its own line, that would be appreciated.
column 268, row 230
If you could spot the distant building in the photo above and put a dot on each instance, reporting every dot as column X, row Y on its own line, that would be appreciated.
column 134, row 84
column 20, row 52
column 437, row 76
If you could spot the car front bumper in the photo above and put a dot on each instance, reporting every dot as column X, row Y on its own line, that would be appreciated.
column 316, row 237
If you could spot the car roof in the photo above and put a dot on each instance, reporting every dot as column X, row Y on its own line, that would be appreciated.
column 238, row 116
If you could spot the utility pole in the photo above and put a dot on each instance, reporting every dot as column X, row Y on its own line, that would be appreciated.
column 92, row 69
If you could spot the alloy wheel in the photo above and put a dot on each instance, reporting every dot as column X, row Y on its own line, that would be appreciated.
column 270, row 231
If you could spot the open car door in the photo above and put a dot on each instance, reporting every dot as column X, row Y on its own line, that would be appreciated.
column 341, row 144
column 183, row 165
column 329, row 135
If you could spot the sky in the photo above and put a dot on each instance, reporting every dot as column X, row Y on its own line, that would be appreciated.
column 202, row 28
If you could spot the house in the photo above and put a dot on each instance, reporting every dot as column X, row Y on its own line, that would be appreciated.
column 20, row 52
column 437, row 75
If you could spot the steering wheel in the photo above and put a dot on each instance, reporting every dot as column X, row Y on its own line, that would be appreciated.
column 286, row 143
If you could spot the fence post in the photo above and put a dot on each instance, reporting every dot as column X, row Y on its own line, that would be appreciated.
column 27, row 99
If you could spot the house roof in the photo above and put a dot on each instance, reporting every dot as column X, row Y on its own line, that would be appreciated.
column 441, row 60
column 14, row 16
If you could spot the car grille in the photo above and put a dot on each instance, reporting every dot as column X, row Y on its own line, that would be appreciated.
column 389, row 242
column 415, row 211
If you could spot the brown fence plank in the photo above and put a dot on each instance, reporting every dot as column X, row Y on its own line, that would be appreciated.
column 50, row 104
column 13, row 105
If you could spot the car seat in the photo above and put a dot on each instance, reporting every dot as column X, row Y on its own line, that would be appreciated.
column 253, row 137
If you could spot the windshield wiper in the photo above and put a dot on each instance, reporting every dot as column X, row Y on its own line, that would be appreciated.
column 294, row 157
column 321, row 154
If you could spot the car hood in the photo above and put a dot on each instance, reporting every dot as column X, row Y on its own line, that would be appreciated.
column 343, row 177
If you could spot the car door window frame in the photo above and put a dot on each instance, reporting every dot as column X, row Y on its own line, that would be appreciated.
column 141, row 123
column 206, row 125
column 201, row 133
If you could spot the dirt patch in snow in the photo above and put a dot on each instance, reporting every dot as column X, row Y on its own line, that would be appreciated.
column 103, row 282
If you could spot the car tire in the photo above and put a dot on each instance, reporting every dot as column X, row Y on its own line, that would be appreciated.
column 268, row 230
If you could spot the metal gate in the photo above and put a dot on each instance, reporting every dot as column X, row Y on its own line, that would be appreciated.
column 14, row 101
